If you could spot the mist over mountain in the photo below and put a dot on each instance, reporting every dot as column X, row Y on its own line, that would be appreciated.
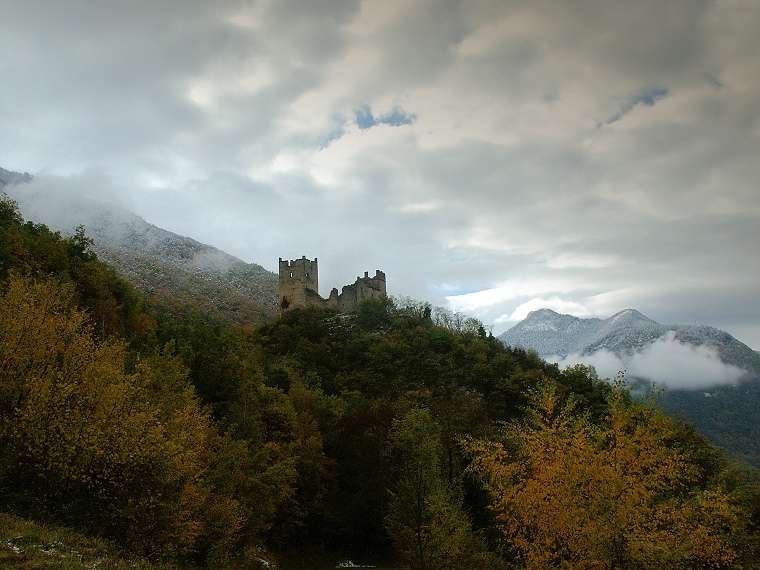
column 678, row 356
column 7, row 177
column 709, row 377
column 155, row 261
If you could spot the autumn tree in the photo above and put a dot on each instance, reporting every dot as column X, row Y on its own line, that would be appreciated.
column 81, row 440
column 425, row 518
column 629, row 492
column 33, row 249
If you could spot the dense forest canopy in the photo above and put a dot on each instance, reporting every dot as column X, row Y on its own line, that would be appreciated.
column 399, row 432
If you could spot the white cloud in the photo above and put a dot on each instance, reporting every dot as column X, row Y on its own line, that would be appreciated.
column 677, row 365
column 554, row 303
column 667, row 362
column 471, row 302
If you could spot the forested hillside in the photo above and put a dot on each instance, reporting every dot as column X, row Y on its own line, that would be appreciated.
column 399, row 433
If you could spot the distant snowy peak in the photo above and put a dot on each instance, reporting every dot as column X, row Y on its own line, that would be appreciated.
column 549, row 332
column 630, row 317
column 554, row 334
column 548, row 320
column 625, row 333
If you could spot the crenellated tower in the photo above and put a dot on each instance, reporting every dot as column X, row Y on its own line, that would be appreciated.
column 299, row 282
column 299, row 287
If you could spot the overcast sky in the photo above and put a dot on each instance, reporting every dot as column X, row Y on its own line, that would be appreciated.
column 495, row 156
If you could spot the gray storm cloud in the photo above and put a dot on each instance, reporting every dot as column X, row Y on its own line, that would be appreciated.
column 600, row 154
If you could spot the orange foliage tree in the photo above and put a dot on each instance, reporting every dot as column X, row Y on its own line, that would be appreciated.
column 630, row 492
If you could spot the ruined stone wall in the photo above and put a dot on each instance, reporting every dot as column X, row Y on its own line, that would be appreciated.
column 363, row 288
column 299, row 287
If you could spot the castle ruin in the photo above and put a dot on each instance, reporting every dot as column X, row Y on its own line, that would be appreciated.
column 299, row 287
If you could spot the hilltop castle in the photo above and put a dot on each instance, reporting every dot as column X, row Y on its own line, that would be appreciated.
column 299, row 287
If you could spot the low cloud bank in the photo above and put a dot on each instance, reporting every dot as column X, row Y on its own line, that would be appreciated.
column 667, row 362
column 64, row 202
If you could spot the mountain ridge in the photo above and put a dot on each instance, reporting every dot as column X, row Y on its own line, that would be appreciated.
column 155, row 261
column 625, row 333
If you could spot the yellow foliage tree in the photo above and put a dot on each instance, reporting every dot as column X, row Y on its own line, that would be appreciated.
column 624, row 494
column 83, row 441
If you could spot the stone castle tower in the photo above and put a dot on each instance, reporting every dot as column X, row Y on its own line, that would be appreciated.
column 299, row 287
column 299, row 281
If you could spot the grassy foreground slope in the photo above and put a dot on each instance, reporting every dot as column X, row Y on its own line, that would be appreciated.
column 29, row 545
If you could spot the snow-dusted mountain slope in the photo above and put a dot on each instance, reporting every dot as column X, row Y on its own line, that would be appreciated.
column 550, row 333
column 154, row 260
column 623, row 334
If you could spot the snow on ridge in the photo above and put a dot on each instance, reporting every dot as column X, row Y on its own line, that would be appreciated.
column 624, row 336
